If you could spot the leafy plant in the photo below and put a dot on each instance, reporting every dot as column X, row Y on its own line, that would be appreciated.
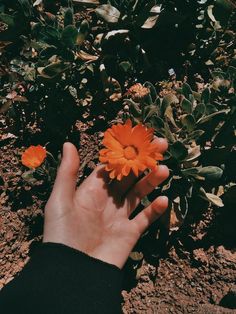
column 200, row 128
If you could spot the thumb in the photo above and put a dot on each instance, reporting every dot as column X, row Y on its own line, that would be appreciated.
column 65, row 183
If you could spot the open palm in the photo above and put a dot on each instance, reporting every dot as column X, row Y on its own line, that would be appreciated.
column 94, row 218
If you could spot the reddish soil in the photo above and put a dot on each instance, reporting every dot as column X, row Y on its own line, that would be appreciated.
column 196, row 272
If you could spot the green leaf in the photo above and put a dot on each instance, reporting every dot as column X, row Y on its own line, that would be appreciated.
column 150, row 111
column 51, row 35
column 83, row 32
column 195, row 135
column 169, row 116
column 152, row 89
column 186, row 90
column 211, row 173
column 206, row 96
column 190, row 171
column 134, row 108
column 168, row 134
column 232, row 71
column 48, row 52
column 28, row 176
column 210, row 109
column 189, row 122
column 69, row 17
column 7, row 19
column 209, row 117
column 109, row 13
column 178, row 151
column 167, row 101
column 26, row 7
column 126, row 66
column 226, row 5
column 218, row 74
column 157, row 123
column 186, row 105
column 69, row 36
column 54, row 69
column 199, row 111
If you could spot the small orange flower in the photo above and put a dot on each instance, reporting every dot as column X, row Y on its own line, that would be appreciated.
column 129, row 148
column 33, row 156
column 137, row 92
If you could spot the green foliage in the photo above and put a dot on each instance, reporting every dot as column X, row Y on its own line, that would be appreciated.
column 214, row 44
column 200, row 128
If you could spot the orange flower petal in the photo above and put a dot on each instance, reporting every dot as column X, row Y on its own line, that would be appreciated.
column 126, row 170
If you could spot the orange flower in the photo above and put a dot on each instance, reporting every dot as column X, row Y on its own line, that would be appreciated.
column 137, row 92
column 129, row 148
column 33, row 156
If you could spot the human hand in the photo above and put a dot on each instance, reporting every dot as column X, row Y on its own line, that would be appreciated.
column 94, row 218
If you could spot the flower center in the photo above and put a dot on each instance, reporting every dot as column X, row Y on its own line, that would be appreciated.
column 130, row 152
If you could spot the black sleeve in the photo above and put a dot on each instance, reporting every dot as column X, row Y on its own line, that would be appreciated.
column 62, row 280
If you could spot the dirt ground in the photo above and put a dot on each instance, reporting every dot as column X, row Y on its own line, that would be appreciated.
column 195, row 274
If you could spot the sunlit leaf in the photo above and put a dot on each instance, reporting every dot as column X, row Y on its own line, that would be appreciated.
column 214, row 199
column 109, row 13
column 37, row 2
column 87, row 2
column 83, row 32
column 86, row 56
column 150, row 22
column 167, row 101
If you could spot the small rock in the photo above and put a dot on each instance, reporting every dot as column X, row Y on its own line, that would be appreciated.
column 229, row 300
column 200, row 256
column 226, row 254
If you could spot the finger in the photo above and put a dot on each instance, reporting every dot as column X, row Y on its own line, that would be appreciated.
column 146, row 185
column 65, row 182
column 162, row 144
column 151, row 213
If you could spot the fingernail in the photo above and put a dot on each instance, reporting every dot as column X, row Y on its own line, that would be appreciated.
column 164, row 200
